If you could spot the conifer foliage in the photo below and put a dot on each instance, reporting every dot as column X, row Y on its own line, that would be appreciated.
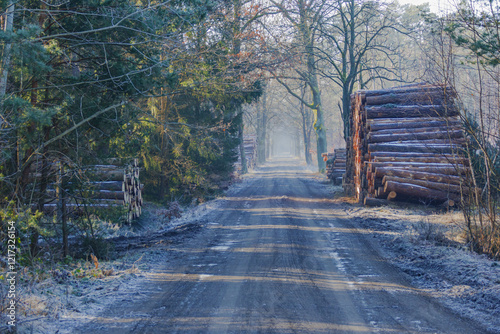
column 85, row 81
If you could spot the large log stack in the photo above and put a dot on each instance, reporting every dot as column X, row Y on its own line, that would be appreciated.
column 406, row 144
column 73, row 189
column 335, row 165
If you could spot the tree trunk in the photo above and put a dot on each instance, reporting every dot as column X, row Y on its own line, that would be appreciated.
column 236, row 35
column 244, row 168
column 306, row 133
column 312, row 80
column 268, row 147
column 319, row 127
column 307, row 147
column 61, row 208
column 297, row 143
column 261, row 129
column 9, row 23
column 346, row 112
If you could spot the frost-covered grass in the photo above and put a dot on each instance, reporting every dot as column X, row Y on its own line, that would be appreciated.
column 430, row 247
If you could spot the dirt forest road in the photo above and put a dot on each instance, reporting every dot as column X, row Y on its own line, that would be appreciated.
column 278, row 257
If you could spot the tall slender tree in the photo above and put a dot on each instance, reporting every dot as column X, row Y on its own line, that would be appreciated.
column 353, row 34
column 304, row 18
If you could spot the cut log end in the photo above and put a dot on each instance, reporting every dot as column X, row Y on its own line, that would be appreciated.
column 448, row 204
column 392, row 195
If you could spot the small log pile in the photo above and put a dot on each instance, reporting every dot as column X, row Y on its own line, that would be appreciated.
column 335, row 165
column 406, row 144
column 250, row 144
column 132, row 190
column 72, row 189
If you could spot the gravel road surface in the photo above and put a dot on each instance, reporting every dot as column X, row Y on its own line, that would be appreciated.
column 278, row 257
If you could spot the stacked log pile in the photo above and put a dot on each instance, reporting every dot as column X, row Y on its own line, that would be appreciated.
column 335, row 165
column 72, row 189
column 406, row 144
column 132, row 190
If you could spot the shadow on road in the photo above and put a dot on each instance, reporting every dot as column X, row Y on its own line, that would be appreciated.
column 278, row 257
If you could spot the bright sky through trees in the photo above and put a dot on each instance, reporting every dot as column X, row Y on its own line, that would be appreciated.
column 437, row 6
